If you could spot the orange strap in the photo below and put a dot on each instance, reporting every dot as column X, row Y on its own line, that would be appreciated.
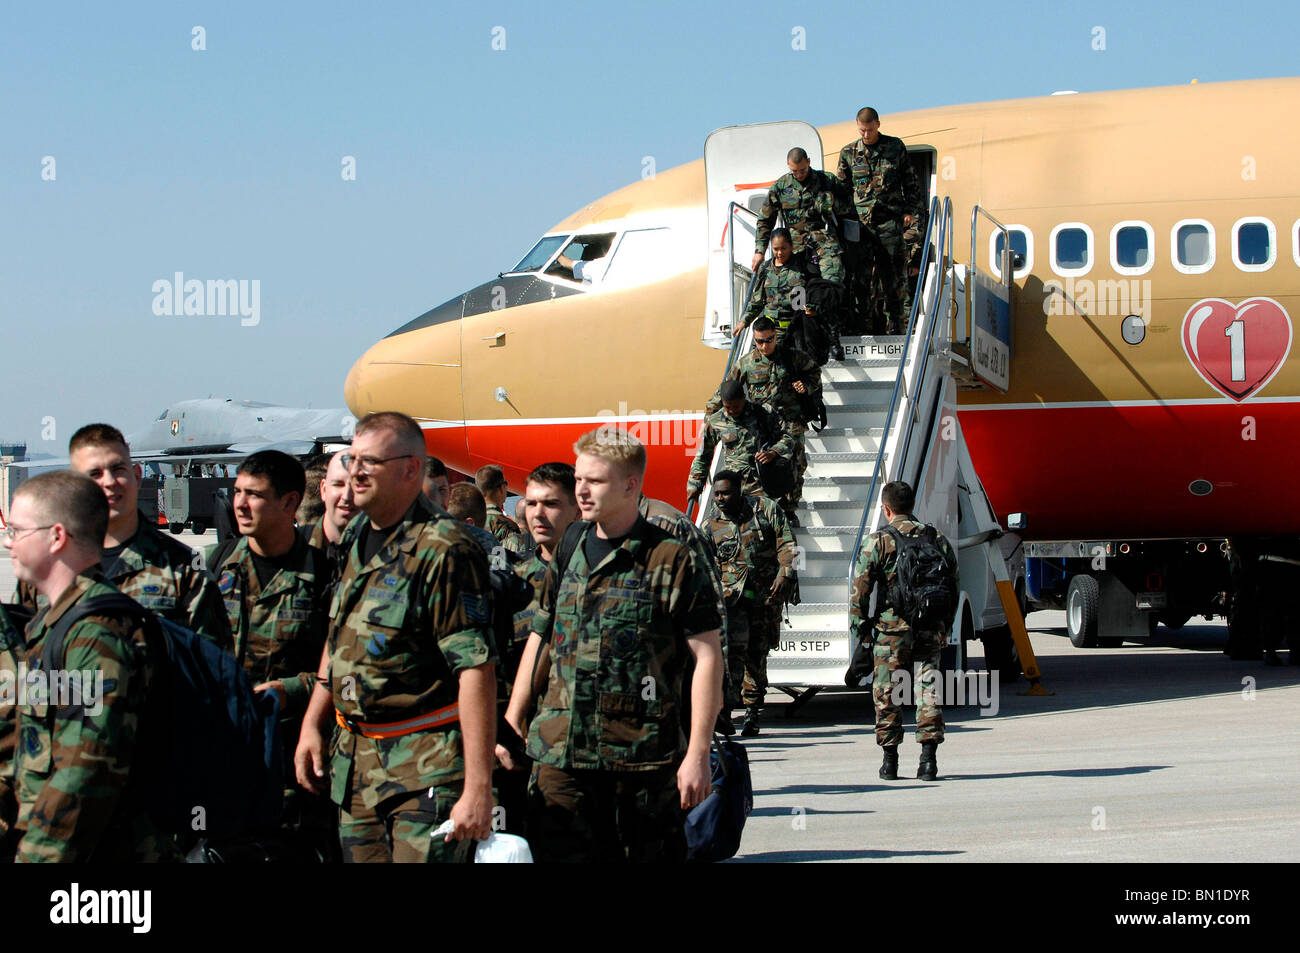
column 395, row 729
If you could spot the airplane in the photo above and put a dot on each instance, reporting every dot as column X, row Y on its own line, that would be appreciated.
column 1150, row 397
column 223, row 430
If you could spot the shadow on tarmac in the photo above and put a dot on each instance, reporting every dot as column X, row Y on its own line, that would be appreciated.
column 793, row 856
column 1135, row 674
column 1063, row 773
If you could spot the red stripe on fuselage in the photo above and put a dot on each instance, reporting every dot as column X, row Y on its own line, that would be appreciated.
column 1076, row 473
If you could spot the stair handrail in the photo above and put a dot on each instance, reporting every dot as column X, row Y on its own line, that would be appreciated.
column 940, row 217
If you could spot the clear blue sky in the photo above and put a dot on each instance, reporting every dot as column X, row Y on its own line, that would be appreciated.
column 226, row 163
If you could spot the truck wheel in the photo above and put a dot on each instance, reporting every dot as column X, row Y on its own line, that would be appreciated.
column 198, row 527
column 176, row 528
column 1081, row 600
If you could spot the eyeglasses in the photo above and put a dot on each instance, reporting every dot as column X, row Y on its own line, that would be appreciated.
column 764, row 340
column 13, row 532
column 368, row 463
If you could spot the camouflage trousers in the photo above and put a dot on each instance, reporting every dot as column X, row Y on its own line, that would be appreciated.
column 396, row 831
column 764, row 633
column 825, row 252
column 889, row 274
column 585, row 816
column 895, row 651
column 737, row 646
column 800, row 461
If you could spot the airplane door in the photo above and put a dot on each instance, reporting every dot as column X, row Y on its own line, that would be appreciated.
column 740, row 163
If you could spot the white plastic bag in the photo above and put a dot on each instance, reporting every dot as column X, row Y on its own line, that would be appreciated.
column 497, row 849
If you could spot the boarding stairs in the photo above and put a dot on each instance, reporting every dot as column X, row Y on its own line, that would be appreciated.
column 891, row 414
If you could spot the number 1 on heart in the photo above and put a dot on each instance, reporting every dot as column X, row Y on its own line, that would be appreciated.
column 1236, row 334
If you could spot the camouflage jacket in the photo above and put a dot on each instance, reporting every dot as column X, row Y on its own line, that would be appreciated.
column 779, row 292
column 770, row 381
column 742, row 439
column 11, row 653
column 73, row 762
column 678, row 525
column 334, row 553
column 881, row 176
column 279, row 629
column 167, row 578
column 876, row 562
column 617, row 633
column 531, row 570
column 807, row 206
column 402, row 626
column 500, row 525
column 753, row 549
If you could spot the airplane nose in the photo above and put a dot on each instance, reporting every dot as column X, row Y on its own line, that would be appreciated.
column 418, row 371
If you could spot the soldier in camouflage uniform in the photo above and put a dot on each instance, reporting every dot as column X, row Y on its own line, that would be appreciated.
column 780, row 290
column 913, row 237
column 410, row 676
column 889, row 198
column 340, row 509
column 613, row 632
column 157, row 572
column 756, row 554
column 75, row 755
column 896, row 645
column 276, row 590
column 776, row 377
column 743, row 429
column 11, row 652
column 805, row 199
column 491, row 482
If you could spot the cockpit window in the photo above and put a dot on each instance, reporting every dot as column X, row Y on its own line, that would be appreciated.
column 541, row 253
column 593, row 247
column 163, row 415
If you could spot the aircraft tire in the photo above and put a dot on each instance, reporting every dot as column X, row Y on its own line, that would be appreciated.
column 176, row 528
column 1081, row 601
column 198, row 527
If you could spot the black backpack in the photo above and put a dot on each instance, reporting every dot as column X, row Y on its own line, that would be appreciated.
column 924, row 593
column 208, row 742
column 812, row 408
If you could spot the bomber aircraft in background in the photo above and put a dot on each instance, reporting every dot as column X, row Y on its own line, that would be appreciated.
column 225, row 430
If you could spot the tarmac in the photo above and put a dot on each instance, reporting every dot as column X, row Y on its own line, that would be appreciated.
column 1163, row 750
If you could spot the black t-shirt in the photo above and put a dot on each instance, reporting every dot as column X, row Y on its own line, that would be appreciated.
column 596, row 549
column 372, row 540
column 268, row 566
column 109, row 556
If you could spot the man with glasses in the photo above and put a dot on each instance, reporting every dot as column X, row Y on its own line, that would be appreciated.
column 783, row 381
column 156, row 571
column 408, row 674
column 71, row 775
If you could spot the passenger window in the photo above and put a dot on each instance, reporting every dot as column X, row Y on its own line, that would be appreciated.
column 1253, row 244
column 1071, row 248
column 1193, row 246
column 1022, row 244
column 1131, row 247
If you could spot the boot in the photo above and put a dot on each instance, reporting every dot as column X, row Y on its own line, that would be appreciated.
column 889, row 767
column 928, row 769
column 750, row 728
column 837, row 351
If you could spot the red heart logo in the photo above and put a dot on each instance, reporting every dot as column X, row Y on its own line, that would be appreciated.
column 1237, row 348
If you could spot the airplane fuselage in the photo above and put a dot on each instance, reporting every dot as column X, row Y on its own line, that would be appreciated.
column 1178, row 206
